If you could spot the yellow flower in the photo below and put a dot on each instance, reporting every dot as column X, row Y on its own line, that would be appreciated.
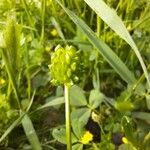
column 125, row 140
column 87, row 137
column 2, row 81
column 54, row 32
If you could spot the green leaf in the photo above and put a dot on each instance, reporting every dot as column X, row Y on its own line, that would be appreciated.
column 58, row 28
column 77, row 97
column 95, row 146
column 13, row 125
column 30, row 133
column 56, row 101
column 95, row 98
column 110, row 101
column 60, row 135
column 105, row 50
column 124, row 106
column 80, row 118
column 77, row 147
column 148, row 101
column 114, row 22
column 141, row 115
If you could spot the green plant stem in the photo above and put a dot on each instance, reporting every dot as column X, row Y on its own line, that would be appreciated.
column 96, row 63
column 68, row 118
column 91, row 18
column 98, row 25
column 141, row 21
column 9, row 88
column 43, row 21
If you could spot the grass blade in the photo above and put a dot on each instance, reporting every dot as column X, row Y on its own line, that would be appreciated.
column 114, row 22
column 13, row 125
column 58, row 28
column 30, row 133
column 106, row 52
column 54, row 102
column 141, row 115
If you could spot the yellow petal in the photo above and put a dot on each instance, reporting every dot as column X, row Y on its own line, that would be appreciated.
column 2, row 81
column 124, row 140
column 87, row 137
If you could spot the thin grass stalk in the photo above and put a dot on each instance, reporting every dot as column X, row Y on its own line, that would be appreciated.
column 84, row 9
column 68, row 117
column 140, row 80
column 91, row 18
column 98, row 26
column 71, row 3
column 96, row 63
column 29, row 85
column 43, row 20
column 31, row 22
column 63, row 2
column 11, row 77
column 27, row 12
column 78, row 6
column 54, row 11
column 9, row 88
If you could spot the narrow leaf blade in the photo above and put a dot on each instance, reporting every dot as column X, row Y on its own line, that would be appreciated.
column 54, row 102
column 13, row 125
column 77, row 97
column 106, row 52
column 30, row 133
column 114, row 22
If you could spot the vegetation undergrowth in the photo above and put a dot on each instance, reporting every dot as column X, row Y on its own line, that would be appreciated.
column 74, row 74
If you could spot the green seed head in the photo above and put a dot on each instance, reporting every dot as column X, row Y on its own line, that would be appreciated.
column 63, row 68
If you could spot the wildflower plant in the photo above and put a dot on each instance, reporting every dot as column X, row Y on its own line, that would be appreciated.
column 10, row 49
column 63, row 71
column 64, row 65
